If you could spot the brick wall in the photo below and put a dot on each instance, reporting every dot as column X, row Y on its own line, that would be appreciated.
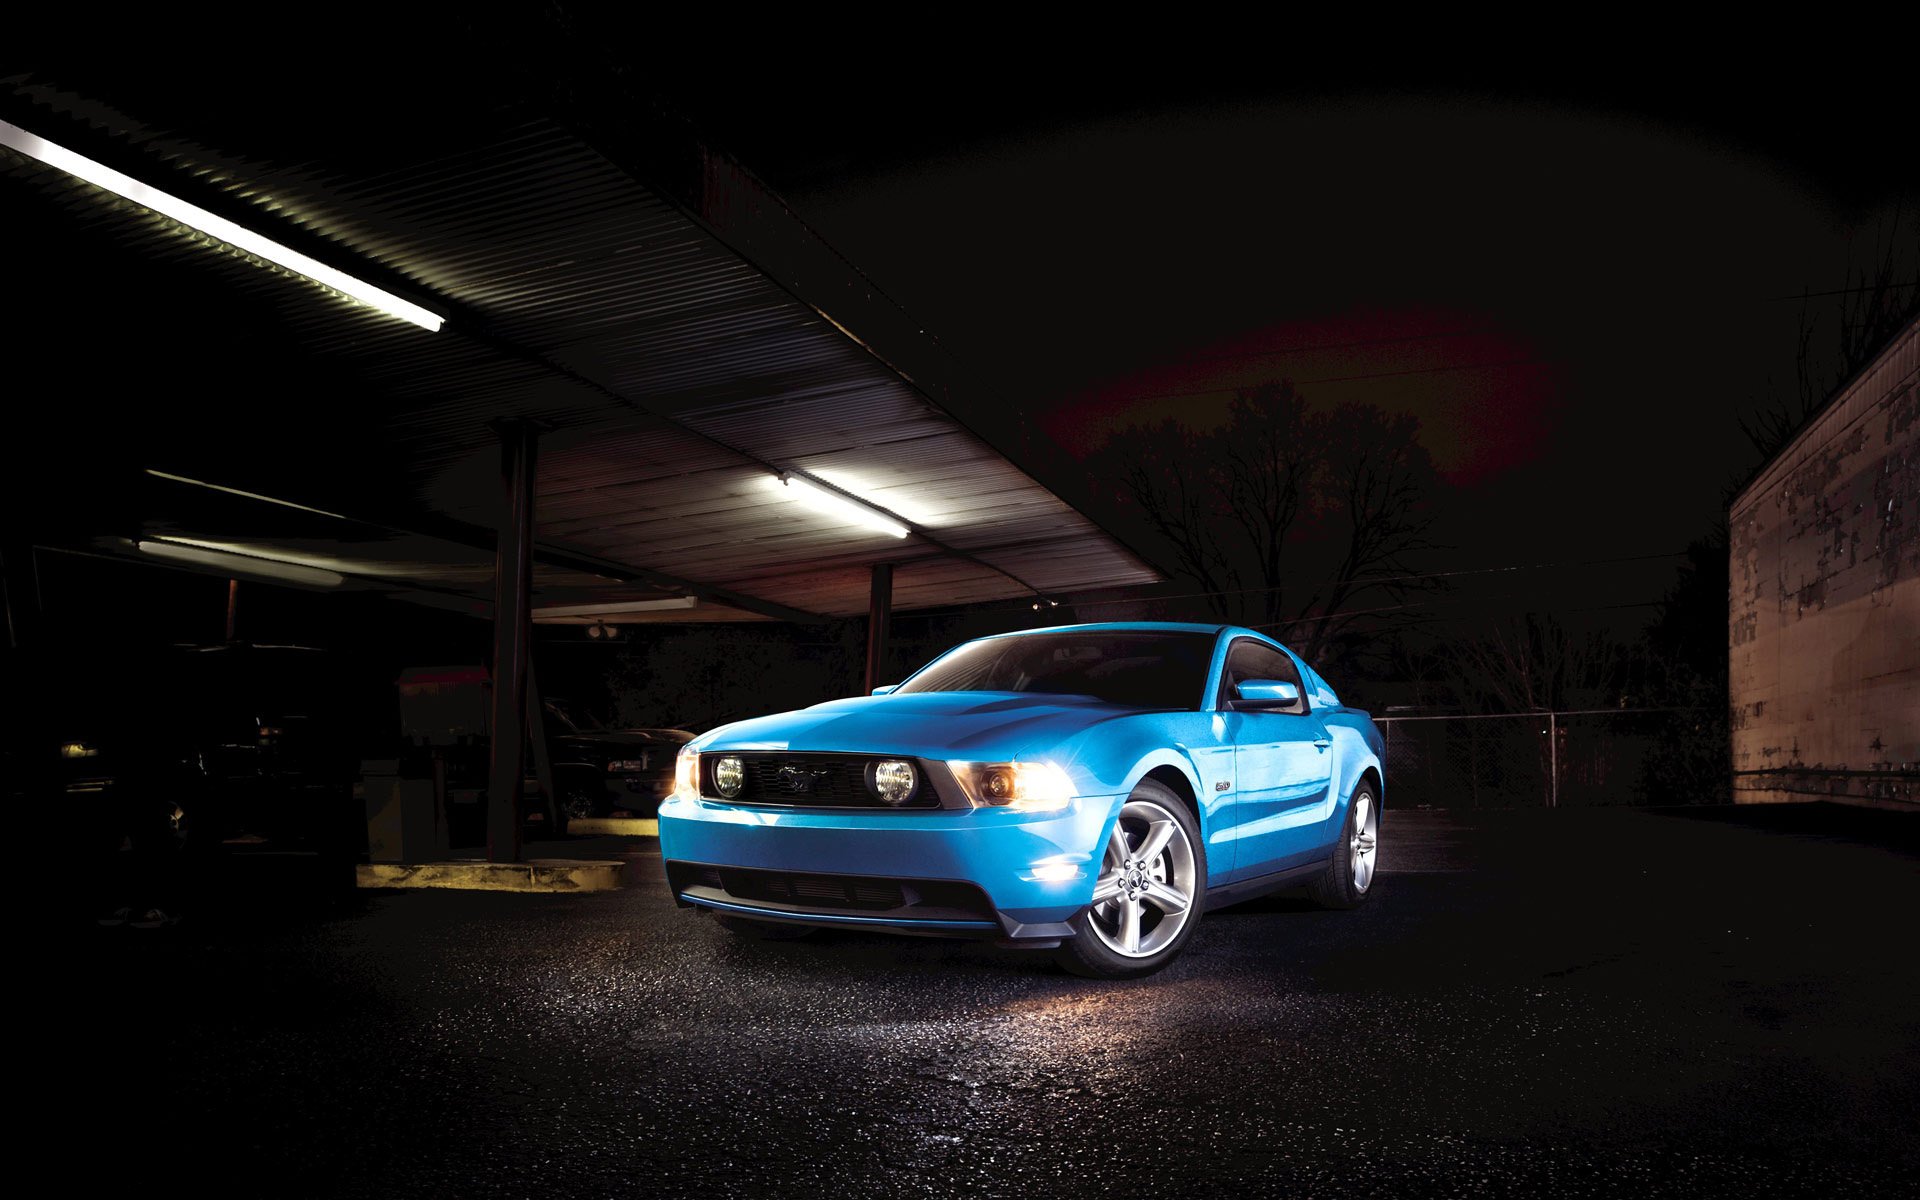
column 1824, row 646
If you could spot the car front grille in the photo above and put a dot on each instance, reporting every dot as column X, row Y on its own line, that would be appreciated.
column 810, row 781
column 915, row 899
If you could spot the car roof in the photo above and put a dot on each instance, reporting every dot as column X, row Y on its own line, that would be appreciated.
column 1148, row 627
column 1105, row 626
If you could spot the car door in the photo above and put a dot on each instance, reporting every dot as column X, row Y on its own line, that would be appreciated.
column 1282, row 767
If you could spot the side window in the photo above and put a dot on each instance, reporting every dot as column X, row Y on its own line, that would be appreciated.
column 1248, row 659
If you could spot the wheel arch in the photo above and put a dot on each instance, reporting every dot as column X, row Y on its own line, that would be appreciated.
column 1371, row 774
column 1169, row 768
column 1177, row 783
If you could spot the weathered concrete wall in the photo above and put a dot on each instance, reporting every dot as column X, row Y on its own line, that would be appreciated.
column 1825, row 601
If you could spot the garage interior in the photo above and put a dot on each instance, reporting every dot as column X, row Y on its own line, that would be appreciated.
column 626, row 383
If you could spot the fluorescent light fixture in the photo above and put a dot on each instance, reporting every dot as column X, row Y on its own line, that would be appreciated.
column 589, row 612
column 229, row 563
column 797, row 487
column 237, row 492
column 213, row 225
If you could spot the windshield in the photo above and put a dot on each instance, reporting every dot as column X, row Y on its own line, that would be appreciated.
column 1134, row 667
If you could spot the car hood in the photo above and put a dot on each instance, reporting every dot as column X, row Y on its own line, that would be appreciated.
column 958, row 725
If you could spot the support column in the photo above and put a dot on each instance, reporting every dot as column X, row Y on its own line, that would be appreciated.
column 879, row 619
column 512, row 633
column 1553, row 759
column 23, row 659
column 20, row 583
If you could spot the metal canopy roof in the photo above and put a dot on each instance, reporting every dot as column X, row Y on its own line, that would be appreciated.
column 680, row 339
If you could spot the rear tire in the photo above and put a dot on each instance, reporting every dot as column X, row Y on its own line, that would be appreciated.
column 1348, row 879
column 1148, row 894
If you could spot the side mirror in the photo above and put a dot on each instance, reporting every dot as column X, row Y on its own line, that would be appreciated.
column 1255, row 695
column 884, row 688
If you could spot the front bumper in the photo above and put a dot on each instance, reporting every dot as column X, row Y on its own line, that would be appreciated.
column 991, row 850
column 638, row 793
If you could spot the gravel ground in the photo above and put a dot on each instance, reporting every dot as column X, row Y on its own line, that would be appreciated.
column 1604, row 1002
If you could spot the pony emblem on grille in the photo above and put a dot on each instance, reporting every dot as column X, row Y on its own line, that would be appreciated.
column 801, row 780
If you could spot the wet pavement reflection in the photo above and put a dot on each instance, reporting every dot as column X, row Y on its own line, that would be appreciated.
column 1569, row 1003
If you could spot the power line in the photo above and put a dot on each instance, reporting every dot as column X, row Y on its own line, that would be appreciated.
column 1369, row 579
column 1350, row 378
column 1865, row 287
column 1392, row 341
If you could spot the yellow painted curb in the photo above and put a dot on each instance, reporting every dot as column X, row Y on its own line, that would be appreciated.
column 622, row 826
column 537, row 875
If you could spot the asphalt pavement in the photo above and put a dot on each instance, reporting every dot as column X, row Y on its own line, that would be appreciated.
column 1611, row 1002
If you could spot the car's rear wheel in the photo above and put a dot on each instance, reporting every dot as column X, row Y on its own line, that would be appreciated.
column 1356, row 854
column 1148, row 894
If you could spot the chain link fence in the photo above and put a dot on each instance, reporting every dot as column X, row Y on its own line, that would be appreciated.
column 1585, row 758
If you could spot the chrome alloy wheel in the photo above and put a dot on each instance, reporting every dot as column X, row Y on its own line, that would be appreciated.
column 1145, row 893
column 1365, row 847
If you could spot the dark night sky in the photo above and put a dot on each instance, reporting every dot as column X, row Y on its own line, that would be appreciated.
column 1577, row 283
column 1577, row 274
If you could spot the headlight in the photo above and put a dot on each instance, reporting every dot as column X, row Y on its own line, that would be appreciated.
column 77, row 750
column 686, row 774
column 729, row 776
column 892, row 780
column 1025, row 787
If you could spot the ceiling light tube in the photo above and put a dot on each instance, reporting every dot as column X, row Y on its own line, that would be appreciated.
column 228, row 563
column 231, row 491
column 237, row 236
column 586, row 612
column 820, row 499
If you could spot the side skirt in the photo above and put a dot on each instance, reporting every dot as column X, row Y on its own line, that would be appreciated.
column 1260, row 885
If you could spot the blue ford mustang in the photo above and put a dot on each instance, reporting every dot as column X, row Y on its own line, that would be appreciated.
column 1089, row 789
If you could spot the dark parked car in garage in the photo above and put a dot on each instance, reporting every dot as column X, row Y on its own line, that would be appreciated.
column 600, row 772
column 245, row 743
column 232, row 749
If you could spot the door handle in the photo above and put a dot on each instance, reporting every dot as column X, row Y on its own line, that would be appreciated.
column 1322, row 742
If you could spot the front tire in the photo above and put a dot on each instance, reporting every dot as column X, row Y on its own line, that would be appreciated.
column 1149, row 893
column 1348, row 880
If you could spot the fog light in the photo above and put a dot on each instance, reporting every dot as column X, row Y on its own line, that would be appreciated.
column 893, row 781
column 729, row 775
column 1054, row 872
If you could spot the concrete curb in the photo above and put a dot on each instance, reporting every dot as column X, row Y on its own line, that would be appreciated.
column 537, row 875
column 619, row 826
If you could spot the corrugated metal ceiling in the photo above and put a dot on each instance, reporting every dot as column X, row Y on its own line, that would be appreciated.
column 671, row 374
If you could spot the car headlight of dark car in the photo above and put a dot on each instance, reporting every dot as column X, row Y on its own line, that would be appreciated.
column 1022, row 786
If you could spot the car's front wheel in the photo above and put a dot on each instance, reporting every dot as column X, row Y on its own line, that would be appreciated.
column 578, row 803
column 1149, row 892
